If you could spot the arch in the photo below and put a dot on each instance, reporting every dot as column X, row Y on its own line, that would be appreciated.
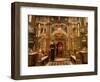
column 59, row 34
column 60, row 39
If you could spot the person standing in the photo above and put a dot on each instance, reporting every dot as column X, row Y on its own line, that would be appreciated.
column 52, row 51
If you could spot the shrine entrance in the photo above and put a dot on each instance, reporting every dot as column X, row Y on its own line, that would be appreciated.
column 59, row 49
column 60, row 39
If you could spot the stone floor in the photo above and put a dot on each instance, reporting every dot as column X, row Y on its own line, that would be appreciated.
column 59, row 61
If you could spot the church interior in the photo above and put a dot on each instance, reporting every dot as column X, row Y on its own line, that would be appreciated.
column 57, row 40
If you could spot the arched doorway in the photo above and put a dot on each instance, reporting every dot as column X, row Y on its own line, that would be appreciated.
column 60, row 39
column 59, row 49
